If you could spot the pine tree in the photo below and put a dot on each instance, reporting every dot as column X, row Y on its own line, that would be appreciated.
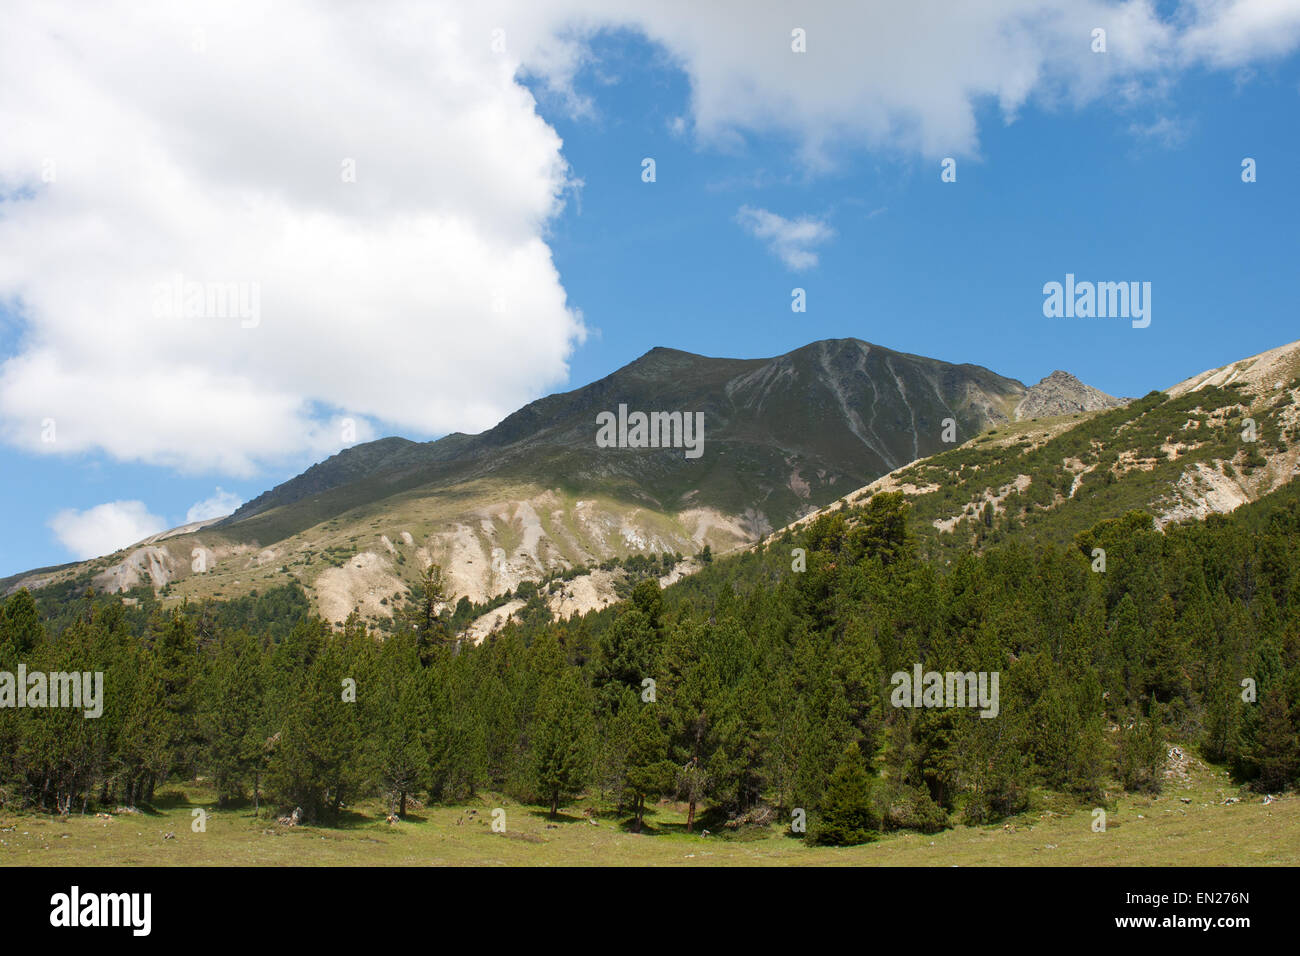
column 1278, row 752
column 230, row 716
column 20, row 627
column 400, row 710
column 431, row 621
column 1142, row 753
column 649, row 773
column 628, row 653
column 847, row 814
column 562, row 739
column 174, row 649
column 320, row 761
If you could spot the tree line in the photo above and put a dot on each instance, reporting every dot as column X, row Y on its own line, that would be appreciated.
column 757, row 688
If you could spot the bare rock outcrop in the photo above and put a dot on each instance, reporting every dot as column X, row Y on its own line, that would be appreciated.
column 1063, row 394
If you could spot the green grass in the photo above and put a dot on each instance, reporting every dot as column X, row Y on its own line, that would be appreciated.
column 1141, row 831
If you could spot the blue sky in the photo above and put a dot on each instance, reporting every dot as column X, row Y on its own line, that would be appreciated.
column 949, row 270
column 1113, row 187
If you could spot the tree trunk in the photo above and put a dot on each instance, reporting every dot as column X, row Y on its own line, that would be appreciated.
column 402, row 810
column 555, row 803
column 690, row 815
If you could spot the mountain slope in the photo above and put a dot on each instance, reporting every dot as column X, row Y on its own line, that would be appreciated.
column 1182, row 454
column 536, row 495
column 779, row 432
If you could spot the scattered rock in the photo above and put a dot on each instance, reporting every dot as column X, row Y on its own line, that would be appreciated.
column 760, row 816
column 292, row 820
column 1179, row 765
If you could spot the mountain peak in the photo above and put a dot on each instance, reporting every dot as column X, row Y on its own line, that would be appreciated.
column 785, row 434
column 1063, row 394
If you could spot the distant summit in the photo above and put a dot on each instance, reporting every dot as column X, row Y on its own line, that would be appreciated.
column 1063, row 394
column 541, row 495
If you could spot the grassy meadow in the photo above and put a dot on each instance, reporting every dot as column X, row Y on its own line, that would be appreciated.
column 1189, row 824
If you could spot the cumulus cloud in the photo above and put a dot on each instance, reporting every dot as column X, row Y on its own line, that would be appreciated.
column 913, row 78
column 790, row 240
column 220, row 504
column 381, row 186
column 1233, row 33
column 378, row 186
column 900, row 77
column 104, row 528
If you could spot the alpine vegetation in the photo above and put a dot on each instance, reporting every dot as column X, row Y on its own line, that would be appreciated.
column 653, row 430
column 1101, row 300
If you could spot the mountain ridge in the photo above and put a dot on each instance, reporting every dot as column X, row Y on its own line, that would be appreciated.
column 1181, row 452
column 533, row 495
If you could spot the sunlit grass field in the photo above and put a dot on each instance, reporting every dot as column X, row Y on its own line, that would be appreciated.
column 1189, row 824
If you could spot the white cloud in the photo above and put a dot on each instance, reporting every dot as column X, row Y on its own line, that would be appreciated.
column 1232, row 33
column 104, row 528
column 219, row 505
column 149, row 140
column 913, row 78
column 422, row 295
column 901, row 77
column 790, row 240
column 1168, row 131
